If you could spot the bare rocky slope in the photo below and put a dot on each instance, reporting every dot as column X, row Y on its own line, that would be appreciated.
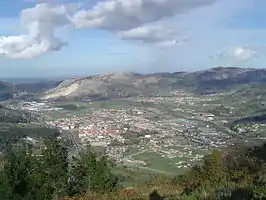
column 110, row 86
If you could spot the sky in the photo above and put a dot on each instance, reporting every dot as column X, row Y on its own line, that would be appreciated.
column 51, row 38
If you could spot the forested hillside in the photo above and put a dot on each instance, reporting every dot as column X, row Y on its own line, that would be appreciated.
column 18, row 125
column 239, row 173
column 8, row 115
column 50, row 174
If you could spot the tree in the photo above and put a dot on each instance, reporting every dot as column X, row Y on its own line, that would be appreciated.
column 54, row 168
column 213, row 166
column 90, row 173
column 103, row 179
column 82, row 169
column 16, row 171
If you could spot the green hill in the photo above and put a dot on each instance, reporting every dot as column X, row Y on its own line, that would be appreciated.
column 8, row 115
column 16, row 124
column 6, row 91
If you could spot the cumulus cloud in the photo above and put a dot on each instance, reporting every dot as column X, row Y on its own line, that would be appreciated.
column 129, row 19
column 129, row 14
column 41, row 23
column 23, row 46
column 243, row 53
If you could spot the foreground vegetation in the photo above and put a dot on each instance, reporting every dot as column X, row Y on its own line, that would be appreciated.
column 52, row 174
column 239, row 173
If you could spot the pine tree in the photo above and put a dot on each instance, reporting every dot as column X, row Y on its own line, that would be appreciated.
column 83, row 169
column 104, row 180
column 54, row 168
column 91, row 174
column 15, row 173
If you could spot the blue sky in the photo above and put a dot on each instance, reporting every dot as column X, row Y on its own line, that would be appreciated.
column 208, row 34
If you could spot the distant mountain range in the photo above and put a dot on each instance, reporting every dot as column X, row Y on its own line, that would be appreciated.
column 115, row 85
column 132, row 84
column 224, row 78
column 9, row 90
column 6, row 91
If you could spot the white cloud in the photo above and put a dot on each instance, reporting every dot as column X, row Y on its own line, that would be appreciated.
column 129, row 19
column 24, row 47
column 243, row 53
column 128, row 14
column 169, row 43
column 41, row 23
column 149, row 34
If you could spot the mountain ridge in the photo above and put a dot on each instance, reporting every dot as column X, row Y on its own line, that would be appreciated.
column 115, row 85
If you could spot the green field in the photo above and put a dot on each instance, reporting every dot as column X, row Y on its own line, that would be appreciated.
column 133, row 176
column 131, row 150
column 157, row 163
column 82, row 107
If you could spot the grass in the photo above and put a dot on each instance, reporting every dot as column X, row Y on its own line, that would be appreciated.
column 83, row 107
column 62, row 113
column 133, row 176
column 157, row 163
column 118, row 104
column 132, row 150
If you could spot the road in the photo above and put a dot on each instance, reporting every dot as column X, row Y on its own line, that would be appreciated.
column 134, row 154
column 150, row 169
column 211, row 123
column 156, row 170
column 143, row 167
column 76, row 145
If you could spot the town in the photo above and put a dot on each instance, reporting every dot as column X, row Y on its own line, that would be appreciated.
column 179, row 129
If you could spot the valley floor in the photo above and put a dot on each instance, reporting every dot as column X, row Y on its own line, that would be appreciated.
column 163, row 134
